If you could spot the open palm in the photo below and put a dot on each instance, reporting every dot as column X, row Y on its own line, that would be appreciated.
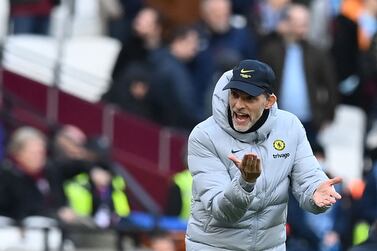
column 325, row 195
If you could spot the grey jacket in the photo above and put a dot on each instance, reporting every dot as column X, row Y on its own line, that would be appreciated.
column 224, row 215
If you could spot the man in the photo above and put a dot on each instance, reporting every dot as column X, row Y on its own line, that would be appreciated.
column 223, row 43
column 29, row 186
column 243, row 159
column 305, row 76
column 174, row 79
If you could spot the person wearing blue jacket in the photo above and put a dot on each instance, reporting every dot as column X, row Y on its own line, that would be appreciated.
column 243, row 159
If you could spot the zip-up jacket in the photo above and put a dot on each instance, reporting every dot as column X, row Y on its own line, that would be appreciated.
column 226, row 212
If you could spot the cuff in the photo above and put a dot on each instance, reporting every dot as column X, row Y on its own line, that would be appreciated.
column 247, row 186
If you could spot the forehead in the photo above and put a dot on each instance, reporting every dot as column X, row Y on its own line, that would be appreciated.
column 235, row 94
column 240, row 93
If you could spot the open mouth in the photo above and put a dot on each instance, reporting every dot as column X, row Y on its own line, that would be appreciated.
column 240, row 118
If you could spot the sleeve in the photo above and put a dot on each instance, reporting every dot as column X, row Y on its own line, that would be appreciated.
column 306, row 173
column 224, row 198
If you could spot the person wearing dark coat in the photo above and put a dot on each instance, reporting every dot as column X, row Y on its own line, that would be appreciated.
column 30, row 184
column 305, row 76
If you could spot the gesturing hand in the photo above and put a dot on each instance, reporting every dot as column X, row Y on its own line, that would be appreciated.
column 250, row 166
column 325, row 195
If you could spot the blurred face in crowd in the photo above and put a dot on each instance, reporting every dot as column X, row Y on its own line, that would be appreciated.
column 162, row 244
column 32, row 155
column 216, row 13
column 70, row 141
column 187, row 46
column 245, row 110
column 139, row 89
column 146, row 23
column 100, row 177
column 297, row 23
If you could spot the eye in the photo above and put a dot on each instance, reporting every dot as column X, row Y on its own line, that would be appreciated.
column 251, row 98
column 234, row 94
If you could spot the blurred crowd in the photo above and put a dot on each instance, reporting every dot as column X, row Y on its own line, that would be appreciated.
column 324, row 54
column 68, row 180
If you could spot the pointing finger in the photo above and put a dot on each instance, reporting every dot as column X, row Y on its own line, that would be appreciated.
column 235, row 160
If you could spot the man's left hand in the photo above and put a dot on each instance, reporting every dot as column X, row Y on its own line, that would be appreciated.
column 325, row 195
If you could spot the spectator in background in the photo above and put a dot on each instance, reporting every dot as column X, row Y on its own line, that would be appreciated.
column 68, row 143
column 368, row 75
column 266, row 15
column 302, row 71
column 134, row 91
column 28, row 185
column 218, row 34
column 109, row 10
column 367, row 23
column 120, row 26
column 144, row 40
column 345, row 53
column 180, row 192
column 322, row 15
column 99, row 196
column 162, row 241
column 174, row 82
column 353, row 32
column 222, row 45
column 31, row 16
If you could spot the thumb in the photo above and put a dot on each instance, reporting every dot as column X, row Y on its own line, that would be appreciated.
column 235, row 160
column 335, row 180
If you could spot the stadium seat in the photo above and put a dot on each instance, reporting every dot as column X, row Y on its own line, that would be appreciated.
column 344, row 142
column 86, row 62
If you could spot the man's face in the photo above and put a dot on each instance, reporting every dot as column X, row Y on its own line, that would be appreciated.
column 298, row 21
column 145, row 23
column 245, row 109
column 187, row 47
column 32, row 155
column 216, row 13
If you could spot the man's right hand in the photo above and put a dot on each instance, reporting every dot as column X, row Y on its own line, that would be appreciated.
column 250, row 166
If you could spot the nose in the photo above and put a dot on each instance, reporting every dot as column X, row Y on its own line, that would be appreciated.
column 239, row 104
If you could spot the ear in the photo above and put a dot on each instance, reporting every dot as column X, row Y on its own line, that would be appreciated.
column 270, row 101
